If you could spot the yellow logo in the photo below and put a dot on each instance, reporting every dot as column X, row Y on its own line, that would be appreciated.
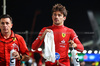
column 14, row 39
column 63, row 35
column 30, row 54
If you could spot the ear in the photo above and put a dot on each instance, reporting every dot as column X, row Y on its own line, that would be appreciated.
column 11, row 25
column 64, row 18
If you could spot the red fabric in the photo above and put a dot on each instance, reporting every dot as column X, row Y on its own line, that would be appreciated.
column 6, row 45
column 62, row 62
column 31, row 54
column 40, row 62
column 62, row 35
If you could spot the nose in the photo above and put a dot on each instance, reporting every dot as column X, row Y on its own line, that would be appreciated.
column 56, row 16
column 5, row 24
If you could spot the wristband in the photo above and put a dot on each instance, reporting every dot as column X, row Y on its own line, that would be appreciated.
column 20, row 57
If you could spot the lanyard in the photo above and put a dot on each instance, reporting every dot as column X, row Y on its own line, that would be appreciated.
column 13, row 39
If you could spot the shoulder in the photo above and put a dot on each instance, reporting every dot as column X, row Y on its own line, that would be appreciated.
column 18, row 36
column 69, row 29
column 48, row 27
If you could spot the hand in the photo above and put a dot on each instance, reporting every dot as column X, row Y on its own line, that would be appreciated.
column 44, row 33
column 16, row 55
column 72, row 44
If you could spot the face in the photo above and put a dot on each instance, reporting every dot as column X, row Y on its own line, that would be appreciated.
column 5, row 25
column 58, row 18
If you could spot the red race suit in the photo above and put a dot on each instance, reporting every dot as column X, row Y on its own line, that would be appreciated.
column 6, row 45
column 62, row 35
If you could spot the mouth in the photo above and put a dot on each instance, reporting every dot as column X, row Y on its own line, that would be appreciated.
column 56, row 20
column 4, row 29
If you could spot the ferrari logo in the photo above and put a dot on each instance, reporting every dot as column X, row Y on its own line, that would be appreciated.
column 63, row 35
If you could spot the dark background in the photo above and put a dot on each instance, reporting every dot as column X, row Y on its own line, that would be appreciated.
column 25, row 12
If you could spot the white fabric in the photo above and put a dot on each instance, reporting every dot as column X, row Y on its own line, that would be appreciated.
column 49, row 50
column 75, row 58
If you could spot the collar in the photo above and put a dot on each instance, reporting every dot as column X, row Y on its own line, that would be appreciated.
column 55, row 26
column 11, row 36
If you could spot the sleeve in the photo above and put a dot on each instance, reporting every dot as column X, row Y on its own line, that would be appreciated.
column 23, row 47
column 37, row 43
column 74, row 37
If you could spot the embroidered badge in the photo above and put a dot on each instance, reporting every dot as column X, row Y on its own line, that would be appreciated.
column 14, row 39
column 63, row 35
column 57, row 56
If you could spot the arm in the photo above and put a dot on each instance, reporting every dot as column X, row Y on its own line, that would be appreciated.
column 75, row 41
column 24, row 52
column 79, row 45
column 39, row 40
column 20, row 57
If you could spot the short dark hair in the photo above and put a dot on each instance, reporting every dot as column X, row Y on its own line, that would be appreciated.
column 61, row 8
column 6, row 16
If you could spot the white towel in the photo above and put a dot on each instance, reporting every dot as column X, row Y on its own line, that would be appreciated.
column 49, row 50
column 75, row 58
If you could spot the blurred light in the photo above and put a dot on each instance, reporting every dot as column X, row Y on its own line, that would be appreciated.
column 68, row 51
column 90, row 51
column 95, row 51
column 39, row 49
column 32, row 50
column 85, row 51
column 96, row 63
column 99, row 52
column 78, row 52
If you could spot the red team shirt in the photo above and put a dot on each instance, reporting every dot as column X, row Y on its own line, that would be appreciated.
column 62, row 35
column 6, row 45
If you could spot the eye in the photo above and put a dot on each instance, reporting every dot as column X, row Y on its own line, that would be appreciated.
column 54, row 14
column 59, row 14
column 2, row 23
column 7, row 23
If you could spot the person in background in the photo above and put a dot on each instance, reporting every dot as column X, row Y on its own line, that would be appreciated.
column 82, row 63
column 22, row 63
column 64, row 37
column 9, row 41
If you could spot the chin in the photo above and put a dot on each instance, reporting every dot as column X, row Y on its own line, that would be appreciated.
column 5, row 31
column 57, row 23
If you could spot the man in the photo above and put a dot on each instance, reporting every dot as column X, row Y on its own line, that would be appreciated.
column 64, row 37
column 9, row 41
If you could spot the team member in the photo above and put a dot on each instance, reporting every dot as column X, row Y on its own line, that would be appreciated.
column 64, row 37
column 9, row 41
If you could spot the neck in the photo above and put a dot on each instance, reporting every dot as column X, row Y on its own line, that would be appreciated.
column 6, row 35
column 58, row 24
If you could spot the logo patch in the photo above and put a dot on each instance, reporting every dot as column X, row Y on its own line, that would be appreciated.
column 57, row 56
column 63, row 35
column 14, row 39
column 15, row 47
column 62, row 42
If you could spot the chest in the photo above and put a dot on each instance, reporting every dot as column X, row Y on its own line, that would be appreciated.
column 61, row 35
column 7, row 45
